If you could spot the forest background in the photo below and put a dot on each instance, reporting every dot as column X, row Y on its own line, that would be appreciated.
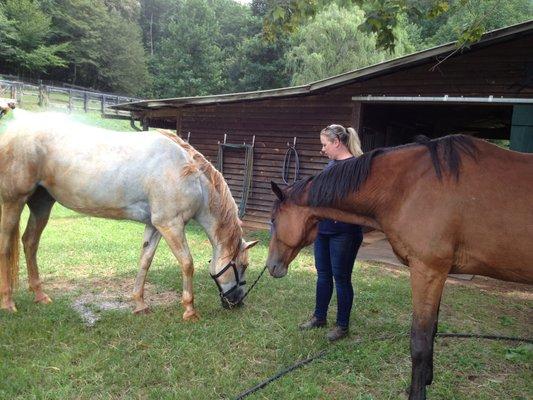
column 174, row 48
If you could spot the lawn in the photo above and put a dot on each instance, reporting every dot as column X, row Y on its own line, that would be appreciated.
column 51, row 352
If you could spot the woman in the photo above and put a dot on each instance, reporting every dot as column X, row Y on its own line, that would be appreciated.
column 337, row 243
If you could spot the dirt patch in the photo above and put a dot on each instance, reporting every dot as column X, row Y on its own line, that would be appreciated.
column 98, row 295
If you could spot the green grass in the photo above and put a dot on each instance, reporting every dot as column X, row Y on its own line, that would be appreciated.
column 92, row 117
column 48, row 352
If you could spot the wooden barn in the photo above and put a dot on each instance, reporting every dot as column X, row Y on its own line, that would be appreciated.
column 485, row 91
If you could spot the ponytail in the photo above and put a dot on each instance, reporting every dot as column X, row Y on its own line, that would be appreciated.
column 347, row 136
column 353, row 143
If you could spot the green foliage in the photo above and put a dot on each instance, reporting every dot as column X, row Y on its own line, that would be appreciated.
column 316, row 47
column 258, row 64
column 467, row 21
column 106, row 51
column 154, row 16
column 189, row 61
column 251, row 62
column 214, row 46
column 162, row 48
column 383, row 17
column 122, row 65
column 24, row 31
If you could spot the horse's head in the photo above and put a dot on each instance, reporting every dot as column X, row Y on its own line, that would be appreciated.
column 6, row 105
column 293, row 227
column 231, row 278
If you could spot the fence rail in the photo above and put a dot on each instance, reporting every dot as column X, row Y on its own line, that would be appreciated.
column 62, row 98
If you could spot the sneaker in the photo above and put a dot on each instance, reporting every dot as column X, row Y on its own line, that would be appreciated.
column 314, row 322
column 338, row 332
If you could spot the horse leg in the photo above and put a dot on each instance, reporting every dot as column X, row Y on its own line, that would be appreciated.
column 151, row 239
column 427, row 285
column 174, row 235
column 40, row 204
column 9, row 252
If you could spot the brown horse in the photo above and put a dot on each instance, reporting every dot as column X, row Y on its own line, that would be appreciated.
column 449, row 205
column 153, row 177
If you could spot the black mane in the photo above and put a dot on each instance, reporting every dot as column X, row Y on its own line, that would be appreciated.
column 335, row 183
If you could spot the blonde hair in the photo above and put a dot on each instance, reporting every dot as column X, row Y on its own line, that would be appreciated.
column 347, row 136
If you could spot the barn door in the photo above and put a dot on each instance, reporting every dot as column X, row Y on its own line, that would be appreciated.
column 522, row 129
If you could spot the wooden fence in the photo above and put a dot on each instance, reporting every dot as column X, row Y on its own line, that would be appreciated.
column 62, row 98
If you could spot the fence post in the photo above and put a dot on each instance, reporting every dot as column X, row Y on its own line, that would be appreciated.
column 13, row 91
column 85, row 101
column 145, row 123
column 41, row 93
column 19, row 93
column 70, row 100
column 102, row 104
column 47, row 92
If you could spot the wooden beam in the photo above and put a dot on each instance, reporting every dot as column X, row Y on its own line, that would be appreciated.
column 163, row 112
column 357, row 116
column 178, row 122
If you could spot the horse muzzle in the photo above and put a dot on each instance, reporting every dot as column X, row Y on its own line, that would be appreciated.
column 233, row 299
column 277, row 270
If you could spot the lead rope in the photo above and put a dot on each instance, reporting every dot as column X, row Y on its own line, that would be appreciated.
column 324, row 352
column 253, row 284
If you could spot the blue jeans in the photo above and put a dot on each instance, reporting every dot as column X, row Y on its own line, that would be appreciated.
column 334, row 259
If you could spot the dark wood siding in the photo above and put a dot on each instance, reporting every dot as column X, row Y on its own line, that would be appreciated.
column 274, row 124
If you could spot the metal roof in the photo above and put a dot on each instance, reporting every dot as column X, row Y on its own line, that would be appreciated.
column 334, row 81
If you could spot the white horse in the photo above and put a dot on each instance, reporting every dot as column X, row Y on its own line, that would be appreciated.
column 151, row 177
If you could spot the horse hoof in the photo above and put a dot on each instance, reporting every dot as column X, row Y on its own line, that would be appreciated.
column 43, row 299
column 190, row 316
column 10, row 307
column 142, row 310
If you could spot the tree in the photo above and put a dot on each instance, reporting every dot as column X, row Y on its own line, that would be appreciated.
column 154, row 16
column 189, row 61
column 258, row 65
column 81, row 22
column 332, row 44
column 250, row 62
column 24, row 31
column 122, row 65
column 382, row 16
column 486, row 15
column 106, row 50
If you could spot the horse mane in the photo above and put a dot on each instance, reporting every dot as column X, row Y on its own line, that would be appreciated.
column 223, row 205
column 345, row 177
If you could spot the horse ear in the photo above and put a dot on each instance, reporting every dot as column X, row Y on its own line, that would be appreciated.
column 249, row 245
column 277, row 191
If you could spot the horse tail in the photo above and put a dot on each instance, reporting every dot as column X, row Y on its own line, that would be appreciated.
column 12, row 258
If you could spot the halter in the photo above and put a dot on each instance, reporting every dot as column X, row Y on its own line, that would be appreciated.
column 238, row 283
